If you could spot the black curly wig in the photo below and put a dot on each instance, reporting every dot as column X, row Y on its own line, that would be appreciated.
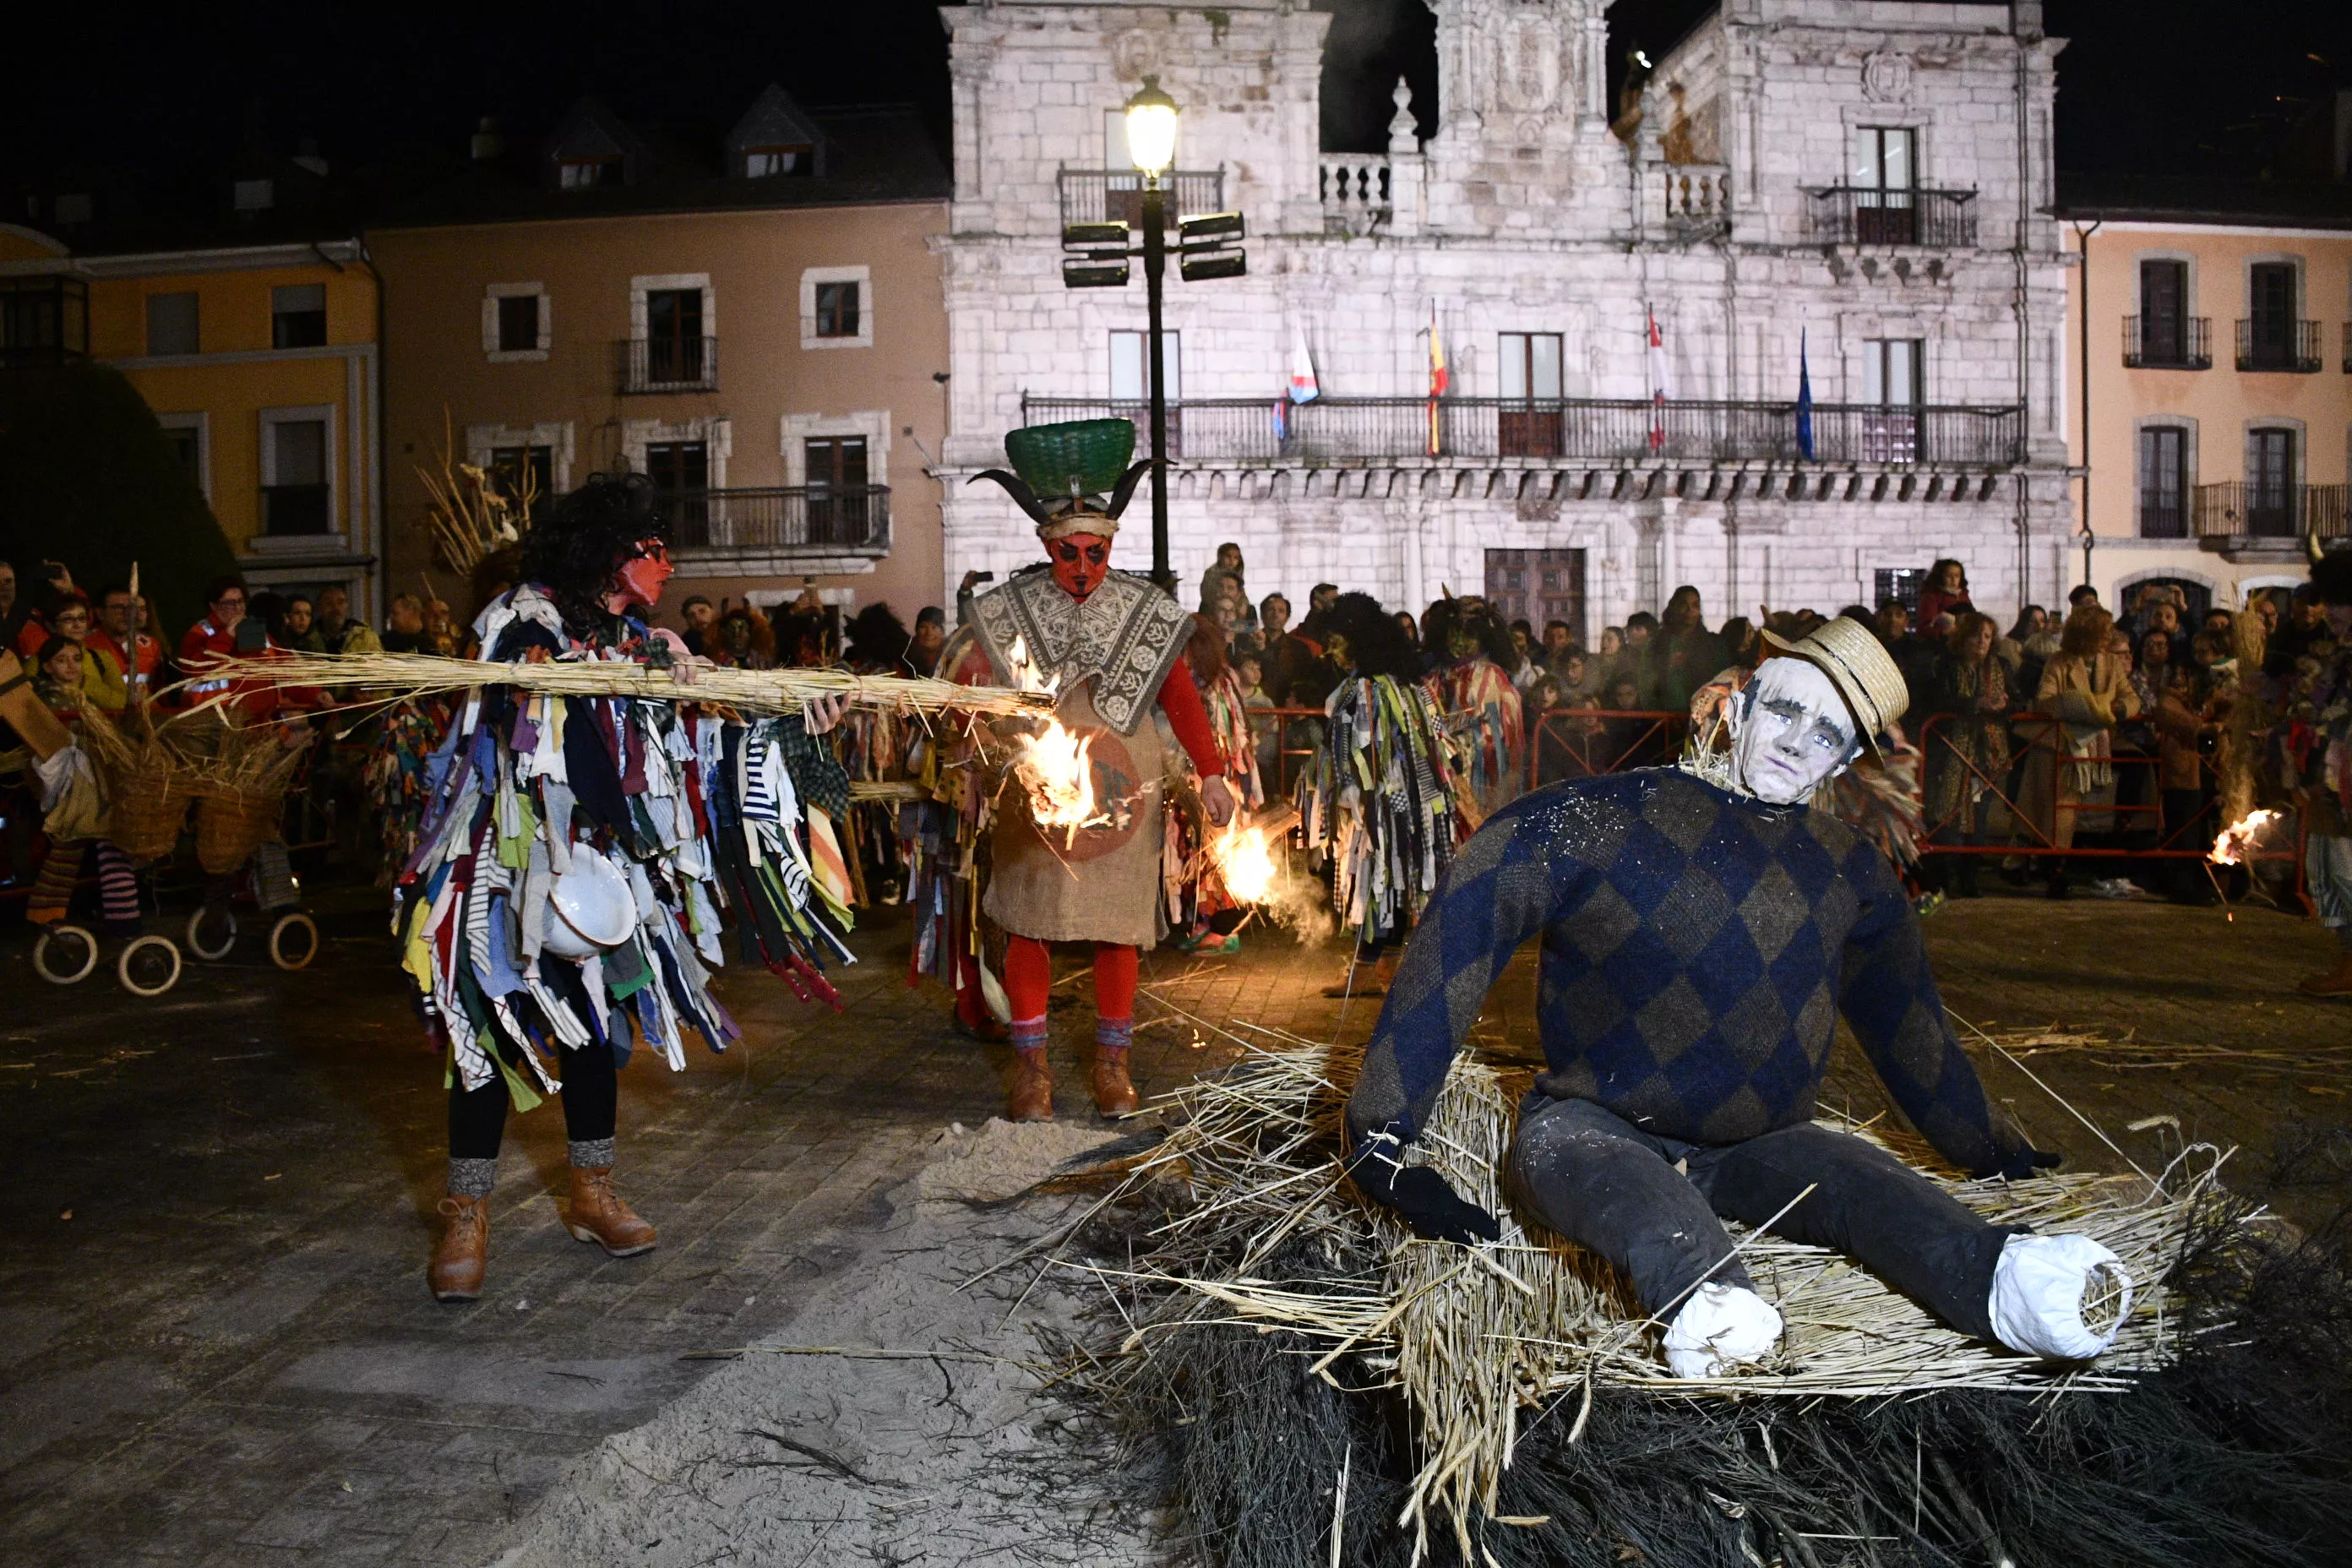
column 574, row 550
column 1375, row 642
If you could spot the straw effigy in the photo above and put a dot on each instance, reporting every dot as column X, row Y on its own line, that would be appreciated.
column 769, row 691
column 1265, row 1316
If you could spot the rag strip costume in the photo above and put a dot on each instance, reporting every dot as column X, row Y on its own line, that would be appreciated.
column 1698, row 946
column 565, row 897
column 1112, row 647
column 2314, row 742
column 1385, row 798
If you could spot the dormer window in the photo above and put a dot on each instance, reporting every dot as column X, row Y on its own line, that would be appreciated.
column 760, row 163
column 580, row 174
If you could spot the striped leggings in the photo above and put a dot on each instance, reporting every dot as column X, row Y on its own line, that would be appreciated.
column 118, row 889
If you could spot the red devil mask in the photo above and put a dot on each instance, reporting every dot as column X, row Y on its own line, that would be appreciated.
column 639, row 579
column 1080, row 561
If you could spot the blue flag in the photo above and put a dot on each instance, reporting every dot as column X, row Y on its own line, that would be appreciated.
column 1804, row 402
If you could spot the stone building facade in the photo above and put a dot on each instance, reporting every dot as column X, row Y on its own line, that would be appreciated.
column 1858, row 185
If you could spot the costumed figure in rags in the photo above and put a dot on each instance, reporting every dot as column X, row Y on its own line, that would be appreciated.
column 1111, row 646
column 1703, row 928
column 574, row 856
column 2314, row 760
column 1384, row 799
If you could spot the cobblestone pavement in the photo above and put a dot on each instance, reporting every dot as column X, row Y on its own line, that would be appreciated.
column 216, row 1344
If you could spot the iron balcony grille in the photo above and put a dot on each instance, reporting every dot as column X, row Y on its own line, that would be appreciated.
column 2266, row 343
column 820, row 518
column 1115, row 195
column 668, row 364
column 287, row 509
column 2236, row 510
column 2167, row 343
column 1851, row 215
column 1341, row 430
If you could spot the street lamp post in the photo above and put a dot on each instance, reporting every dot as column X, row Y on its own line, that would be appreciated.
column 1099, row 253
column 1151, row 143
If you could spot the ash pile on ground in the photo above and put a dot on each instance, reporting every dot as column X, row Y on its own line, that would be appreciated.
column 787, row 1460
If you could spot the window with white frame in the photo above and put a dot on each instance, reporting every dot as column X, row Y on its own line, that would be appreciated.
column 516, row 323
column 1130, row 370
column 837, row 308
column 297, row 472
column 2163, row 451
column 1893, row 385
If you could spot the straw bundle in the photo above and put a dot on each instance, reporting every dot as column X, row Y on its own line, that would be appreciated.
column 471, row 513
column 152, row 770
column 862, row 790
column 1470, row 1339
column 747, row 690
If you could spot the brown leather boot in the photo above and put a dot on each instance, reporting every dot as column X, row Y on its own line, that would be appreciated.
column 1031, row 1097
column 598, row 1213
column 2335, row 982
column 1365, row 979
column 463, row 1252
column 1114, row 1095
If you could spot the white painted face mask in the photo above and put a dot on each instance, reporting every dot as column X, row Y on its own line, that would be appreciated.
column 1790, row 733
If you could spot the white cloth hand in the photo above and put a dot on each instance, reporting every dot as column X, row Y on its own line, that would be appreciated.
column 1720, row 1327
column 2038, row 1288
column 1217, row 799
column 820, row 714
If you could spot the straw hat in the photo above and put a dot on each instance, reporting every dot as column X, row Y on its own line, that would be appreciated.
column 1857, row 664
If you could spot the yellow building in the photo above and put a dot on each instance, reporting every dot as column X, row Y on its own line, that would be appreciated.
column 2210, row 365
column 260, row 362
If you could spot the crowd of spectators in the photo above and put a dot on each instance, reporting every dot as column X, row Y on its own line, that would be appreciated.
column 2068, row 730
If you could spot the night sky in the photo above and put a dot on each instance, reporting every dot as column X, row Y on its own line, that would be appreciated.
column 2204, row 86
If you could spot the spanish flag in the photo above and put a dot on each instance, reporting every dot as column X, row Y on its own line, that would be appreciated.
column 1438, row 378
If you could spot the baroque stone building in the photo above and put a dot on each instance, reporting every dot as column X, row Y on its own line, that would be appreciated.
column 1857, row 187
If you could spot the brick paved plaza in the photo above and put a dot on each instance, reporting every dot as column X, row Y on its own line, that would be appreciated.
column 216, row 1344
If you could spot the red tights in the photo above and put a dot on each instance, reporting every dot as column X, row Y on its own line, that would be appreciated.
column 1029, row 977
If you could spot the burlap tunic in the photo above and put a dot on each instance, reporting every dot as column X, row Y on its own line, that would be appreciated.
column 1103, row 884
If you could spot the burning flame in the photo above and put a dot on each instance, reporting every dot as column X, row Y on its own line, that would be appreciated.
column 1246, row 860
column 2230, row 848
column 1053, row 768
column 1024, row 674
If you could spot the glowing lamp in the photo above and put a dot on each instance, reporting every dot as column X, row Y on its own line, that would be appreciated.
column 1152, row 129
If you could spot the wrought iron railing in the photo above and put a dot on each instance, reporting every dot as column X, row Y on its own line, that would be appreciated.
column 1115, row 195
column 2239, row 510
column 2280, row 345
column 1858, row 215
column 668, row 364
column 2167, row 343
column 1362, row 429
column 287, row 509
column 819, row 519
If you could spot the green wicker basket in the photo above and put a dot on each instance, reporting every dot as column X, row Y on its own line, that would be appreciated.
column 1084, row 456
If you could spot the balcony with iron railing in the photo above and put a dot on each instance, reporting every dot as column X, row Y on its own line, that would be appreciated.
column 1115, row 195
column 1357, row 431
column 290, row 510
column 1857, row 214
column 2167, row 343
column 710, row 526
column 2278, row 344
column 666, row 364
column 2239, row 510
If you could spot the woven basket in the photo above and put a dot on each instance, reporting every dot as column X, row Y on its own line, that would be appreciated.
column 231, row 827
column 145, row 813
column 1083, row 457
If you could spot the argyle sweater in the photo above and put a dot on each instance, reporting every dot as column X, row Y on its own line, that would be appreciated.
column 1697, row 949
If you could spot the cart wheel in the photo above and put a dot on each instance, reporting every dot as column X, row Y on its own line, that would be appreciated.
column 148, row 967
column 220, row 924
column 65, row 954
column 293, row 942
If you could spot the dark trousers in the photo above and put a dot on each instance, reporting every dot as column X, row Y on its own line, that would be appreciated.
column 1614, row 1190
column 591, row 1098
